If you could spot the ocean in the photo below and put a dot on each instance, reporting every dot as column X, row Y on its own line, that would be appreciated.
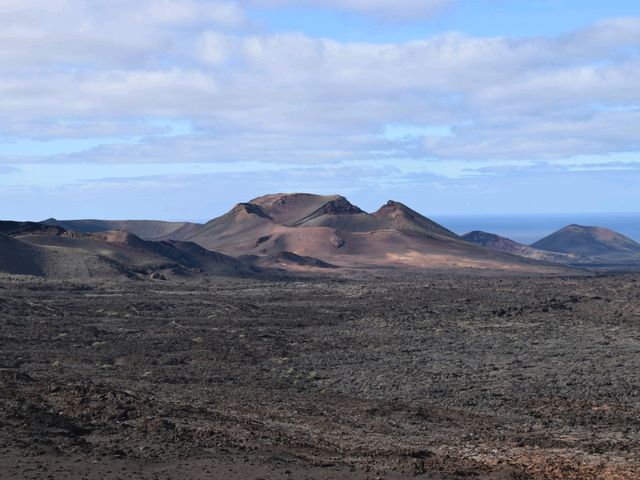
column 530, row 228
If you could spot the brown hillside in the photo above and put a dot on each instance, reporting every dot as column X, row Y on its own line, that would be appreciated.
column 331, row 229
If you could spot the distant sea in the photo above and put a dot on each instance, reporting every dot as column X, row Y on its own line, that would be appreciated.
column 529, row 228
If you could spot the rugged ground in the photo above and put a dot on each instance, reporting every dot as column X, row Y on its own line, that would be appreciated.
column 440, row 377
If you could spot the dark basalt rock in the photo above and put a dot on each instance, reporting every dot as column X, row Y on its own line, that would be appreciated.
column 251, row 209
column 340, row 206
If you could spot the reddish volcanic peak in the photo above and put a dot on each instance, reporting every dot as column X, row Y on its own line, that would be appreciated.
column 276, row 201
column 280, row 199
column 397, row 215
column 340, row 205
column 296, row 208
column 393, row 209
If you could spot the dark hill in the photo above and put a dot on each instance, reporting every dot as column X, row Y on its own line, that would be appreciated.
column 590, row 241
column 72, row 255
column 19, row 258
column 399, row 216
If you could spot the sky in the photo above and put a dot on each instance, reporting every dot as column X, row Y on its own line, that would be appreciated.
column 178, row 109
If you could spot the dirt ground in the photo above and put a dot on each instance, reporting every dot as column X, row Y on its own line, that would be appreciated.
column 443, row 377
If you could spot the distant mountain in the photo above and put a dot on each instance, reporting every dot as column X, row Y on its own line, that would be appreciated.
column 501, row 244
column 145, row 229
column 589, row 241
column 334, row 231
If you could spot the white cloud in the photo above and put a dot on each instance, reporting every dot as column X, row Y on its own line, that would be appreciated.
column 214, row 48
column 113, row 66
column 387, row 9
column 190, row 12
column 100, row 33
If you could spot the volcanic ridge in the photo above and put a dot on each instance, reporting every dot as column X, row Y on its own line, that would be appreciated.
column 28, row 248
column 333, row 230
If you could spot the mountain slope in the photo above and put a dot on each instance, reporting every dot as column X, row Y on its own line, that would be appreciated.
column 235, row 232
column 590, row 241
column 501, row 244
column 146, row 229
column 331, row 229
column 19, row 258
column 10, row 227
column 399, row 216
column 55, row 253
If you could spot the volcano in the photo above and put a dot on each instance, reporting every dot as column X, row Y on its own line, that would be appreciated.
column 591, row 241
column 333, row 230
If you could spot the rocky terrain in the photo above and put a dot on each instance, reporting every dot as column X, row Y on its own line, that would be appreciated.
column 299, row 337
column 377, row 377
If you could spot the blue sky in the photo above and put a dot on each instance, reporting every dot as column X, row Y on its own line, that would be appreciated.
column 513, row 18
column 177, row 109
